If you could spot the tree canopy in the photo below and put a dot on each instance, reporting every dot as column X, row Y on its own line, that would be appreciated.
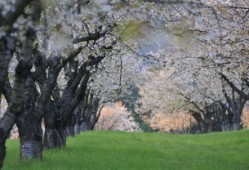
column 61, row 61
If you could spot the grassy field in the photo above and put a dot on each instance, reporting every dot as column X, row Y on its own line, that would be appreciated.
column 142, row 151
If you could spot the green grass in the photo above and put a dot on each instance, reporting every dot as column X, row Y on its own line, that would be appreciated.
column 152, row 151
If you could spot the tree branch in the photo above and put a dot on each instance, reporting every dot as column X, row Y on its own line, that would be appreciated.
column 233, row 86
column 90, row 37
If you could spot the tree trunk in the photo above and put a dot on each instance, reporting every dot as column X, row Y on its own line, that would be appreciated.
column 224, row 127
column 28, row 123
column 200, row 122
column 78, row 121
column 53, row 138
column 77, row 128
column 30, row 133
column 63, row 135
column 68, row 111
column 2, row 147
column 7, row 90
column 85, row 126
column 235, row 126
column 70, row 131
column 60, row 128
column 70, row 126
column 17, row 103
column 7, row 45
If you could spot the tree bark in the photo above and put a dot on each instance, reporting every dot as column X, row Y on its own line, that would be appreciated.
column 85, row 126
column 78, row 119
column 2, row 148
column 79, row 95
column 17, row 103
column 55, row 131
column 7, row 47
column 30, row 133
column 52, row 137
column 70, row 126
column 28, row 123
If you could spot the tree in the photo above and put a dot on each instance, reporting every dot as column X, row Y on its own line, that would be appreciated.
column 73, row 57
column 8, row 45
column 35, row 93
column 77, row 64
column 219, row 50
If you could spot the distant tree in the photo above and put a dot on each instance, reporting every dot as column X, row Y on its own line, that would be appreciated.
column 217, row 72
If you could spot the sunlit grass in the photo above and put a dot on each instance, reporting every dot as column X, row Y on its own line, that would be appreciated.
column 122, row 150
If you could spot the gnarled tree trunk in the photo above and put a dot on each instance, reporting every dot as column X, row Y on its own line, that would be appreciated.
column 52, row 136
column 16, row 105
column 30, row 133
